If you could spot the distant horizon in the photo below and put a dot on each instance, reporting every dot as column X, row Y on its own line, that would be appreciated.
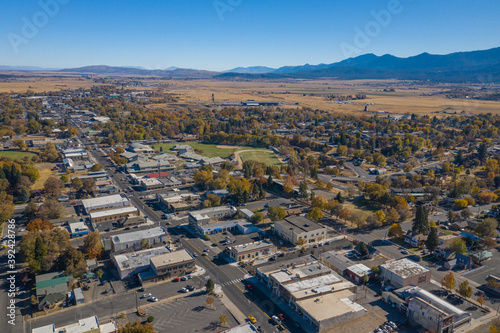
column 228, row 69
column 220, row 35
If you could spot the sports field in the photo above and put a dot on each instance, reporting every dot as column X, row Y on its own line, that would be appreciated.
column 209, row 150
column 263, row 156
column 15, row 154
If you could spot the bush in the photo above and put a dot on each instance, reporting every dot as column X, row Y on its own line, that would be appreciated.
column 215, row 244
column 206, row 237
column 150, row 319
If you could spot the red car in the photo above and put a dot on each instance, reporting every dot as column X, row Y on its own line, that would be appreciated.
column 281, row 316
column 177, row 279
column 249, row 287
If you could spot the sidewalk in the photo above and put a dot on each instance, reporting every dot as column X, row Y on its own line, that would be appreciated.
column 231, row 307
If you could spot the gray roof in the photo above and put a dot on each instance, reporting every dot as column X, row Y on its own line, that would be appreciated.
column 299, row 224
column 138, row 235
column 404, row 268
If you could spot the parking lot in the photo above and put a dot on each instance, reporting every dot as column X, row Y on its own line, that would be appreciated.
column 188, row 314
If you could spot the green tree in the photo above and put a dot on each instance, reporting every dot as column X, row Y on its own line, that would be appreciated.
column 145, row 244
column 257, row 218
column 487, row 227
column 363, row 249
column 339, row 198
column 275, row 213
column 458, row 246
column 99, row 273
column 303, row 189
column 432, row 241
column 40, row 249
column 421, row 221
column 76, row 183
column 210, row 285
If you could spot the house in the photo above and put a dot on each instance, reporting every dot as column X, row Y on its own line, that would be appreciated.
column 463, row 261
column 414, row 239
column 51, row 288
column 443, row 253
column 404, row 272
column 357, row 272
column 446, row 240
column 462, row 225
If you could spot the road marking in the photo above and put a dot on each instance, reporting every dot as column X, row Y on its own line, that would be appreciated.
column 210, row 261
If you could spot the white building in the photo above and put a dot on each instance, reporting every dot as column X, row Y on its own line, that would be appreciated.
column 131, row 263
column 132, row 240
column 294, row 227
column 102, row 203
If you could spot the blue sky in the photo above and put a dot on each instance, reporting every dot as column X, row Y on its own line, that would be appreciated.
column 222, row 34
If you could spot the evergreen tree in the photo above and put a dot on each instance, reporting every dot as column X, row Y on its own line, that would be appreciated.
column 40, row 249
column 482, row 152
column 270, row 181
column 303, row 189
column 432, row 241
column 421, row 221
column 339, row 198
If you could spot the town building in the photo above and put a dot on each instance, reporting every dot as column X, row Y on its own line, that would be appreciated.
column 148, row 184
column 51, row 288
column 132, row 240
column 139, row 148
column 294, row 228
column 357, row 272
column 113, row 214
column 250, row 251
column 78, row 229
column 132, row 263
column 169, row 265
column 207, row 215
column 85, row 325
column 404, row 272
column 103, row 203
column 337, row 261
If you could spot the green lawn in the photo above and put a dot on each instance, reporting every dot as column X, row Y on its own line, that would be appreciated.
column 209, row 150
column 15, row 154
column 263, row 156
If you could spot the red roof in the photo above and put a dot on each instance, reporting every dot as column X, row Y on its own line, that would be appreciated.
column 155, row 175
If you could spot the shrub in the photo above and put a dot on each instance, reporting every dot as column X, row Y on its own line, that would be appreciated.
column 150, row 319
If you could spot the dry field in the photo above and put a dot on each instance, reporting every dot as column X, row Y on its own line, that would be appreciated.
column 407, row 97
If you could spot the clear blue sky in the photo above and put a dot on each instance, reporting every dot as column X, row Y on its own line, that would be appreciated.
column 274, row 33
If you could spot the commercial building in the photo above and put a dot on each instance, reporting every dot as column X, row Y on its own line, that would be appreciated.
column 242, row 328
column 139, row 148
column 404, row 272
column 85, row 325
column 173, row 264
column 322, row 297
column 151, row 184
column 357, row 272
column 132, row 263
column 251, row 251
column 432, row 312
column 294, row 227
column 113, row 214
column 132, row 240
column 78, row 229
column 75, row 154
column 337, row 261
column 102, row 203
column 204, row 216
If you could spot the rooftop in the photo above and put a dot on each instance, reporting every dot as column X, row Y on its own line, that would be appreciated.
column 138, row 259
column 243, row 328
column 278, row 266
column 299, row 224
column 300, row 272
column 360, row 269
column 124, row 210
column 138, row 235
column 171, row 258
column 404, row 268
column 316, row 282
column 103, row 201
column 330, row 305
column 252, row 246
column 83, row 326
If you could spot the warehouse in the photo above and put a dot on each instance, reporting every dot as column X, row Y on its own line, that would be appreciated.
column 404, row 272
column 132, row 240
column 102, row 203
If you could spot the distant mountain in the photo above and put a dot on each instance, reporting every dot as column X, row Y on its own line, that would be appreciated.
column 173, row 73
column 252, row 70
column 171, row 68
column 26, row 68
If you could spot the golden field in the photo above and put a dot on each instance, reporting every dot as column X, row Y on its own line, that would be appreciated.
column 408, row 97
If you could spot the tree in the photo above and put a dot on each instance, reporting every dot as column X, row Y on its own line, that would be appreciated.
column 145, row 244
column 481, row 300
column 395, row 231
column 39, row 224
column 448, row 281
column 489, row 243
column 203, row 178
column 392, row 216
column 275, row 213
column 64, row 178
column 223, row 319
column 460, row 203
column 301, row 241
column 464, row 289
column 210, row 285
column 52, row 187
column 320, row 202
column 96, row 167
column 20, row 144
column 99, row 273
column 432, row 241
column 495, row 326
column 380, row 216
column 51, row 209
column 40, row 249
column 339, row 198
column 376, row 270
column 342, row 150
column 76, row 183
column 421, row 221
column 363, row 249
column 458, row 246
column 150, row 319
column 6, row 206
column 257, row 218
column 288, row 184
column 88, row 185
column 315, row 214
column 212, row 200
column 487, row 227
column 303, row 189
column 137, row 327
column 31, row 210
column 93, row 246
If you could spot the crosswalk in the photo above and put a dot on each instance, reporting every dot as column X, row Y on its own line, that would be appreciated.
column 228, row 283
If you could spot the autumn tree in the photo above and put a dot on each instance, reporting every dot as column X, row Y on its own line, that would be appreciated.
column 448, row 281
column 203, row 178
column 76, row 183
column 6, row 206
column 93, row 246
column 212, row 200
column 487, row 227
column 395, row 230
column 320, row 202
column 39, row 224
column 315, row 214
column 51, row 209
column 88, row 185
column 53, row 187
column 301, row 241
column 137, row 327
column 464, row 289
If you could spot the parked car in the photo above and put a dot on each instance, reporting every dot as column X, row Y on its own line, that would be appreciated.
column 252, row 319
column 153, row 299
column 276, row 319
column 184, row 290
column 184, row 278
column 177, row 279
column 190, row 288
column 404, row 252
column 146, row 295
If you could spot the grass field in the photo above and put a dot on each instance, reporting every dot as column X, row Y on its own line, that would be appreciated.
column 263, row 156
column 209, row 150
column 45, row 170
column 14, row 154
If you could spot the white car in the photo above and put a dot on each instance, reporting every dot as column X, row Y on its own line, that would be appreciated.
column 153, row 299
column 146, row 295
column 276, row 319
column 184, row 290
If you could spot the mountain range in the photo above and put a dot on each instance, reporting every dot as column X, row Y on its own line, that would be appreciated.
column 474, row 66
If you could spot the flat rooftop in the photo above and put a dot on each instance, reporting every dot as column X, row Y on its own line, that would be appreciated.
column 124, row 210
column 316, row 282
column 211, row 210
column 330, row 305
column 138, row 235
column 300, row 272
column 252, row 246
column 274, row 267
column 103, row 201
column 171, row 258
column 404, row 268
column 243, row 328
column 299, row 224
column 138, row 259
